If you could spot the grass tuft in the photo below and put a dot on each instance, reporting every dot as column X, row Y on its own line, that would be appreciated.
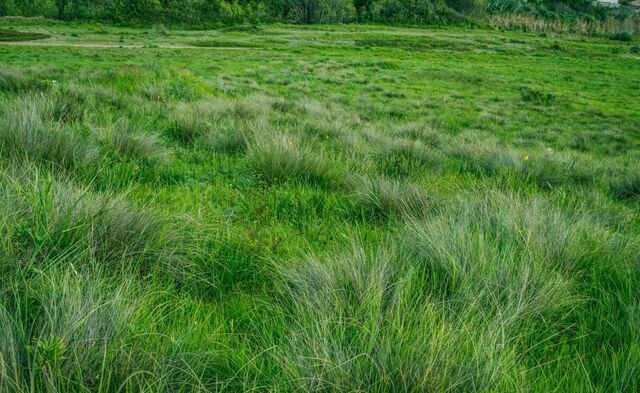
column 492, row 277
column 27, row 130
column 626, row 186
column 48, row 221
column 70, row 104
column 279, row 157
column 382, row 198
column 225, row 124
column 133, row 143
column 537, row 96
column 15, row 81
column 402, row 158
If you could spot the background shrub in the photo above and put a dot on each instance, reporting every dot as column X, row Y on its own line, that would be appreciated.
column 213, row 13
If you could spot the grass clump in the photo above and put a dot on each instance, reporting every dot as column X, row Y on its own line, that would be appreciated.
column 403, row 157
column 132, row 143
column 362, row 323
column 70, row 104
column 279, row 157
column 28, row 129
column 480, row 157
column 537, row 96
column 380, row 198
column 67, row 325
column 551, row 170
column 546, row 169
column 234, row 137
column 420, row 132
column 194, row 121
column 47, row 221
column 91, row 327
column 105, row 96
column 503, row 280
column 625, row 186
column 154, row 92
column 15, row 81
column 223, row 124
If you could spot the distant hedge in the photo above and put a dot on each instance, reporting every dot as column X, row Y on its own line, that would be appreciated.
column 208, row 13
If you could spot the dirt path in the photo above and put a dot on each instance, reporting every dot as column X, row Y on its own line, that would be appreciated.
column 98, row 45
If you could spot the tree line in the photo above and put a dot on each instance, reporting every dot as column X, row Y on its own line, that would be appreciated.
column 204, row 13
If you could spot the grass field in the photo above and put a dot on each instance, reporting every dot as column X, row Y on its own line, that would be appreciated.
column 336, row 208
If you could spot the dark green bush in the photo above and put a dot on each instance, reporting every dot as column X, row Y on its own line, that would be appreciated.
column 622, row 36
column 214, row 13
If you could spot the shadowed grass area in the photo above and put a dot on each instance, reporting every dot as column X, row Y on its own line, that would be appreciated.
column 224, row 44
column 12, row 80
column 7, row 35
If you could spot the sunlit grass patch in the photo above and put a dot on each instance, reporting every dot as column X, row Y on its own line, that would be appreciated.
column 132, row 142
column 29, row 129
column 222, row 124
column 321, row 216
column 382, row 198
column 406, row 158
column 278, row 157
column 51, row 219
column 492, row 276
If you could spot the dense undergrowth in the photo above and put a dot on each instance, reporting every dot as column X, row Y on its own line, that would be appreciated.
column 417, row 218
column 198, row 14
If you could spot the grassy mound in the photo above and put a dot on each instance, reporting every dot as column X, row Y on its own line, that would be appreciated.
column 7, row 35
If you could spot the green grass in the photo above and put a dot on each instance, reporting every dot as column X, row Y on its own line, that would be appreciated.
column 14, row 35
column 223, row 44
column 343, row 208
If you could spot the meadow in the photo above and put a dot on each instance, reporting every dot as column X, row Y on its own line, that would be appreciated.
column 319, row 209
